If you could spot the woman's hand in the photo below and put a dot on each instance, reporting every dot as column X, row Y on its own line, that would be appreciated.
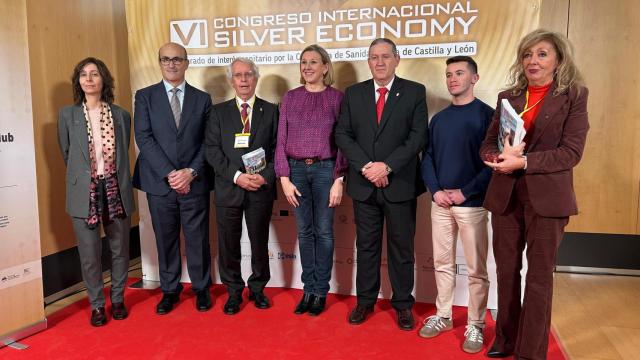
column 515, row 150
column 335, row 194
column 509, row 160
column 290, row 191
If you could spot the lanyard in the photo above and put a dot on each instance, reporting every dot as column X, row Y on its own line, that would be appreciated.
column 244, row 121
column 248, row 112
column 526, row 107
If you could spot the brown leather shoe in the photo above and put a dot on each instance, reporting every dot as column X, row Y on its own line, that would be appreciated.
column 405, row 319
column 119, row 311
column 98, row 316
column 359, row 314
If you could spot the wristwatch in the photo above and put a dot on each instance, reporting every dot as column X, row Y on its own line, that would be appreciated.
column 387, row 168
column 193, row 172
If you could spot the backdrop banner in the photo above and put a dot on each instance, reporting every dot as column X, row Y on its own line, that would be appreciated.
column 273, row 33
column 21, row 305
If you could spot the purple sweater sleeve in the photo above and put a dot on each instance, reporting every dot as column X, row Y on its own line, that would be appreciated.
column 281, row 164
column 341, row 165
column 341, row 162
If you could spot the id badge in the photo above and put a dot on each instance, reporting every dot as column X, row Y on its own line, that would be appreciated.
column 242, row 141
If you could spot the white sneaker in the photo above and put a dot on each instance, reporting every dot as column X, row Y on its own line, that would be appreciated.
column 433, row 325
column 473, row 339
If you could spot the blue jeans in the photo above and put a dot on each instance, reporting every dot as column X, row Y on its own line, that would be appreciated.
column 314, row 219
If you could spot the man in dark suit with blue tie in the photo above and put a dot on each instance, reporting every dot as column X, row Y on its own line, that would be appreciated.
column 381, row 129
column 237, row 127
column 169, row 123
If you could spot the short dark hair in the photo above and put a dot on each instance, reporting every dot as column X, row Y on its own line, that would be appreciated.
column 379, row 41
column 461, row 58
column 107, row 81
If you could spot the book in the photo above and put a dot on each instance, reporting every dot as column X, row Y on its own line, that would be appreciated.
column 254, row 161
column 511, row 126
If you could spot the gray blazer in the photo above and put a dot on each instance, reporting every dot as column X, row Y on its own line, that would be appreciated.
column 74, row 144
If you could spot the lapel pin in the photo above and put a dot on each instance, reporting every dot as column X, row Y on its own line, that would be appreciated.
column 260, row 109
column 398, row 94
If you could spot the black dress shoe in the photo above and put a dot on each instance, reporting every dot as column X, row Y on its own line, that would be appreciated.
column 317, row 306
column 259, row 300
column 405, row 319
column 304, row 304
column 496, row 352
column 166, row 304
column 359, row 314
column 232, row 306
column 119, row 311
column 203, row 300
column 98, row 316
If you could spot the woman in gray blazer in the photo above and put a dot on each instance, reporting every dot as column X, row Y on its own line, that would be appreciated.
column 94, row 136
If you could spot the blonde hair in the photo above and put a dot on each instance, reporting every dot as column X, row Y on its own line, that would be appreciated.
column 327, row 78
column 566, row 74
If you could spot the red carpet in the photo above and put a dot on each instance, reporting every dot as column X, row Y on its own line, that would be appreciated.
column 275, row 333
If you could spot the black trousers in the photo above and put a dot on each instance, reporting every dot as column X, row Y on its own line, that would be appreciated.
column 229, row 221
column 400, row 217
column 169, row 214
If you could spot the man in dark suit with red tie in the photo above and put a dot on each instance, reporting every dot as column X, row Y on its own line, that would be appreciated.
column 381, row 130
column 169, row 122
column 237, row 127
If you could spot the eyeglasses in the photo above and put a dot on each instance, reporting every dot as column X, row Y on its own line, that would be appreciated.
column 247, row 75
column 175, row 60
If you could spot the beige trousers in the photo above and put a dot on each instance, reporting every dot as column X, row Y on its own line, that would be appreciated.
column 471, row 222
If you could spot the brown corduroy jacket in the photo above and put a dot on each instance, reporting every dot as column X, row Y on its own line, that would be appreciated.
column 556, row 146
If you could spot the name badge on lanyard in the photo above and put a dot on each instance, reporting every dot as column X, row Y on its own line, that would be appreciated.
column 242, row 140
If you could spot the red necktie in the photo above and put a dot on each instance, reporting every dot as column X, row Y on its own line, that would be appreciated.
column 245, row 118
column 380, row 104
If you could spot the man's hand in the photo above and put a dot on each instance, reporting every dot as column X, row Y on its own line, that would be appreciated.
column 382, row 182
column 180, row 181
column 250, row 182
column 455, row 195
column 375, row 171
column 442, row 199
column 183, row 191
column 258, row 179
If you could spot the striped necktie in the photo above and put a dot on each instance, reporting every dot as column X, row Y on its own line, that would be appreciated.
column 175, row 106
column 245, row 118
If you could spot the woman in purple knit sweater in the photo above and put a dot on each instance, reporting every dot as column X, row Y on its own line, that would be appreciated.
column 311, row 170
